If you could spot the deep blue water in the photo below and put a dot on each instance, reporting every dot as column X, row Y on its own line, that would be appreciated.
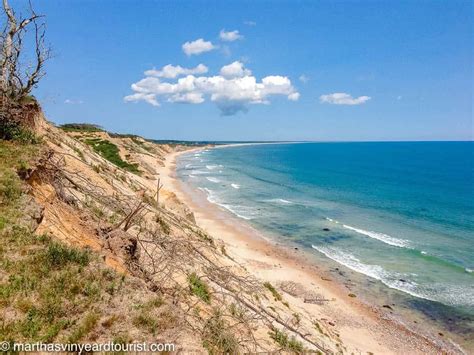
column 401, row 213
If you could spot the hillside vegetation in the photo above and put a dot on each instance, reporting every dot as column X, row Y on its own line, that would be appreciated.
column 88, row 254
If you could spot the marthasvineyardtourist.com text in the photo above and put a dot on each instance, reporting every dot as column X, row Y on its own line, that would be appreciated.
column 79, row 348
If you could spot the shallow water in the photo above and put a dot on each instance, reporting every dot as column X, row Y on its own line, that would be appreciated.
column 401, row 213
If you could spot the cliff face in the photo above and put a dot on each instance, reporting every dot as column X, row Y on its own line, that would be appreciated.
column 134, row 268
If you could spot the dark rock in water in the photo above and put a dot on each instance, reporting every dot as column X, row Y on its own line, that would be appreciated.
column 326, row 229
column 296, row 248
column 441, row 334
column 402, row 280
column 387, row 306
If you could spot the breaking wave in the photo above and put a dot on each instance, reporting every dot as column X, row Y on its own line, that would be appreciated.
column 449, row 294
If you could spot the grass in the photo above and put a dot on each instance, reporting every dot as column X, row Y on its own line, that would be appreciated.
column 318, row 327
column 199, row 288
column 110, row 151
column 10, row 189
column 285, row 342
column 146, row 321
column 79, row 153
column 216, row 337
column 14, row 156
column 47, row 288
column 274, row 292
column 163, row 224
column 58, row 255
column 153, row 318
column 53, row 292
column 87, row 325
column 204, row 236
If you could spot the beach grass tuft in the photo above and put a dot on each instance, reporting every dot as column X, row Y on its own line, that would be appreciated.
column 217, row 339
column 273, row 290
column 199, row 288
column 286, row 342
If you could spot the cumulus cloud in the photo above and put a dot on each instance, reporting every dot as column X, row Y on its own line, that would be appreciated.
column 341, row 98
column 232, row 91
column 234, row 70
column 171, row 71
column 230, row 36
column 141, row 96
column 197, row 47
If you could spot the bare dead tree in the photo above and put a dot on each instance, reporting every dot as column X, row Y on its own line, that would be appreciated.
column 18, row 78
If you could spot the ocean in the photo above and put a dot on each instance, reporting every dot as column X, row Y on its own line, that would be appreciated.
column 398, row 214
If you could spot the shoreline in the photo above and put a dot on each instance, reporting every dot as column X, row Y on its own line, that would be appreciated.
column 362, row 326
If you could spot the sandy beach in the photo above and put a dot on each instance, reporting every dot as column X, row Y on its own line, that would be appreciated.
column 361, row 327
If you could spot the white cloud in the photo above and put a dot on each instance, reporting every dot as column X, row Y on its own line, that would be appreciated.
column 303, row 78
column 170, row 71
column 235, row 69
column 232, row 91
column 197, row 47
column 230, row 36
column 73, row 102
column 341, row 98
column 187, row 98
column 294, row 96
column 139, row 96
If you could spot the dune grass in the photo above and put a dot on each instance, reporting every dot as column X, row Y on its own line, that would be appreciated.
column 110, row 151
column 199, row 288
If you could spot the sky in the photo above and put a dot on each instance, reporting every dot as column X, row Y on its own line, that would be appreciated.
column 262, row 70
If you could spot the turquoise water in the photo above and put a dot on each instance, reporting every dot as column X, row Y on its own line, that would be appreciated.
column 401, row 213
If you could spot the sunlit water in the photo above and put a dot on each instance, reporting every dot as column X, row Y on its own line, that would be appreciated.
column 400, row 213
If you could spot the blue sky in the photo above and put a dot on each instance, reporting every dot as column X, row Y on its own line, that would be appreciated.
column 407, row 66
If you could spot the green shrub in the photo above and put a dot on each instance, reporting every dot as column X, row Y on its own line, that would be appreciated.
column 12, row 131
column 110, row 151
column 285, row 342
column 199, row 288
column 81, row 127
